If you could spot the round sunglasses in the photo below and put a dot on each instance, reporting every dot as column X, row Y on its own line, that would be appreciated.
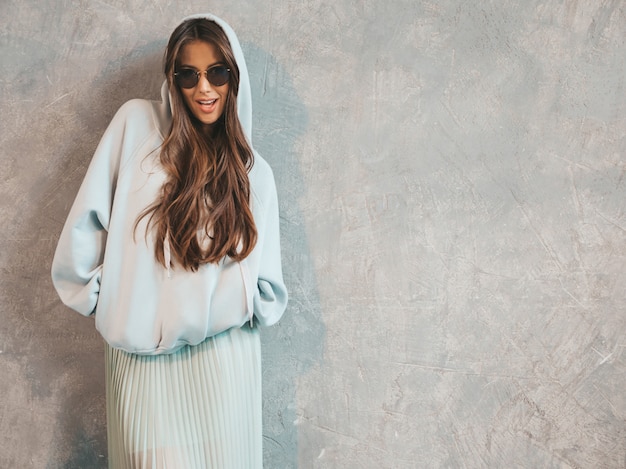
column 188, row 77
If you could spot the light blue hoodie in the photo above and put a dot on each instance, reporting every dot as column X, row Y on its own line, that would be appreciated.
column 139, row 305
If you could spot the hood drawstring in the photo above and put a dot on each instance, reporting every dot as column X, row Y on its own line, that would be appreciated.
column 167, row 256
column 248, row 297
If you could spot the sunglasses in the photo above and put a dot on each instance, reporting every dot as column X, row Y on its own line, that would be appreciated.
column 217, row 75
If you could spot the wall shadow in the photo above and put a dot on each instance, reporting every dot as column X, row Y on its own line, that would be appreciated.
column 293, row 346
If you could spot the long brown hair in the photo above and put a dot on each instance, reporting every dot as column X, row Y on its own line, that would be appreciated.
column 207, row 190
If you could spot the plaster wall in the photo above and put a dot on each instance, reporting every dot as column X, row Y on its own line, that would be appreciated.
column 451, row 178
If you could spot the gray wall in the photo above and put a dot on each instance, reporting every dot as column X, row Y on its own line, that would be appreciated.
column 452, row 178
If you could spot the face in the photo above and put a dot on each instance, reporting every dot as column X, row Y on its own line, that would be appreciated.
column 205, row 101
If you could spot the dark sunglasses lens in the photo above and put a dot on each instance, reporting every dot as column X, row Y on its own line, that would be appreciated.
column 186, row 78
column 218, row 76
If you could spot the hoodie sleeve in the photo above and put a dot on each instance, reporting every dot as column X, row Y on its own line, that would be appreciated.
column 270, row 298
column 77, row 263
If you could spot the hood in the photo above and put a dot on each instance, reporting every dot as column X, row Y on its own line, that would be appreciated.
column 244, row 96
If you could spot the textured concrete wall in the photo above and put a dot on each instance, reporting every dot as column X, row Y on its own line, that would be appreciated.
column 452, row 185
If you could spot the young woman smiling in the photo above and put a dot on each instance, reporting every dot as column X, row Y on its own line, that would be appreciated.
column 173, row 244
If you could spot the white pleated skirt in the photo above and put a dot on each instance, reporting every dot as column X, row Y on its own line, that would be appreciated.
column 197, row 408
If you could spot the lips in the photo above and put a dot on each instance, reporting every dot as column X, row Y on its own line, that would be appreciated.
column 207, row 105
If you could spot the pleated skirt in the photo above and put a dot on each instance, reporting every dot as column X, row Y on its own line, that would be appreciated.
column 197, row 408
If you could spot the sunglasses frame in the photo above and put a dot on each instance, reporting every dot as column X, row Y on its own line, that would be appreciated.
column 178, row 77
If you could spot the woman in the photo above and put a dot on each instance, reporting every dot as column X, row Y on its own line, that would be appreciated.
column 173, row 244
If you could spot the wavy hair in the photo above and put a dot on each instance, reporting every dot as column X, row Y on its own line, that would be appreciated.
column 204, row 207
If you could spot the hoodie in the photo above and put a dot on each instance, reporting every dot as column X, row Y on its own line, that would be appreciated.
column 103, row 266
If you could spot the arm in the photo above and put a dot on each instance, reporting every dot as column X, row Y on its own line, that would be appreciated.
column 270, row 298
column 77, row 263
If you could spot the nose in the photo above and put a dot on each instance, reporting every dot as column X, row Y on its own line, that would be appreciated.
column 203, row 82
